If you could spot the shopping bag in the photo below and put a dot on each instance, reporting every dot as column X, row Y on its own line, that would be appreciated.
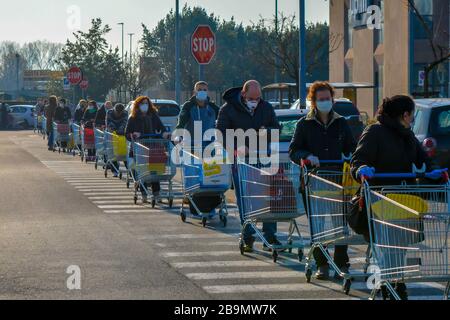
column 398, row 208
column 157, row 158
column 214, row 174
column 119, row 145
column 350, row 185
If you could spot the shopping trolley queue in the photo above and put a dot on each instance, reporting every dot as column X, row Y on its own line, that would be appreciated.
column 406, row 227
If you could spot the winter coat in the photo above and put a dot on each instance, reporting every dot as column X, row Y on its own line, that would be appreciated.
column 100, row 117
column 235, row 115
column 49, row 114
column 327, row 142
column 145, row 125
column 116, row 123
column 89, row 118
column 62, row 115
column 78, row 114
column 389, row 147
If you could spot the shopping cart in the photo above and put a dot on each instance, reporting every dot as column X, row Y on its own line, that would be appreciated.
column 409, row 232
column 87, row 145
column 61, row 136
column 44, row 127
column 152, row 164
column 271, row 195
column 37, row 123
column 205, row 178
column 76, row 136
column 328, row 199
column 130, row 166
column 100, row 150
column 116, row 150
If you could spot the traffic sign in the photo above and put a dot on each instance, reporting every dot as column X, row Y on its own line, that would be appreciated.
column 203, row 44
column 84, row 84
column 75, row 75
column 66, row 84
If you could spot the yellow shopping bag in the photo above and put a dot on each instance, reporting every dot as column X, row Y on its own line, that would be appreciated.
column 351, row 186
column 119, row 145
column 402, row 207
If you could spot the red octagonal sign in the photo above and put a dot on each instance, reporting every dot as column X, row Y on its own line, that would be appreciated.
column 203, row 44
column 74, row 76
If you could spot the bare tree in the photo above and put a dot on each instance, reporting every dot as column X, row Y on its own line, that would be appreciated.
column 440, row 53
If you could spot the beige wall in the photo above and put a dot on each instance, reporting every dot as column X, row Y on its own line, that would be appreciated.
column 337, row 23
column 396, row 45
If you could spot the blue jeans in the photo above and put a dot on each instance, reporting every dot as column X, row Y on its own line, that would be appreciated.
column 50, row 139
column 269, row 229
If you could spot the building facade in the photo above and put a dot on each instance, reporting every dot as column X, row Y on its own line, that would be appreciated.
column 385, row 43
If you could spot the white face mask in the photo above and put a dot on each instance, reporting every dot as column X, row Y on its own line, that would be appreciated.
column 144, row 107
column 325, row 106
column 252, row 104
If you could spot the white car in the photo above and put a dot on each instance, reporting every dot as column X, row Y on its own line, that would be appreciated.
column 168, row 111
column 22, row 115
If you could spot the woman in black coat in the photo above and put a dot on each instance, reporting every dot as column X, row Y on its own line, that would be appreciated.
column 145, row 121
column 390, row 146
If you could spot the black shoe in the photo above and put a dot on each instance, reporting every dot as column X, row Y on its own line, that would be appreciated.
column 402, row 291
column 323, row 273
column 248, row 244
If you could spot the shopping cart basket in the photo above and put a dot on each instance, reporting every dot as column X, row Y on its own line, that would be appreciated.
column 61, row 136
column 115, row 150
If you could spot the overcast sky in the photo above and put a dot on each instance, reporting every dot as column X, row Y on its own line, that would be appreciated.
column 25, row 21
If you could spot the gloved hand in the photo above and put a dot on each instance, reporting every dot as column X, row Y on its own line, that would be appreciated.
column 315, row 162
column 436, row 174
column 366, row 172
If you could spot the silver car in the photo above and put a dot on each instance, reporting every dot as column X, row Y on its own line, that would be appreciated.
column 22, row 115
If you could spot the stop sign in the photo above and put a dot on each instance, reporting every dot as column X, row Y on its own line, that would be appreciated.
column 84, row 84
column 74, row 75
column 203, row 44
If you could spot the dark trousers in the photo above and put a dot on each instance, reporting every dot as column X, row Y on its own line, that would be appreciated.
column 341, row 258
column 156, row 188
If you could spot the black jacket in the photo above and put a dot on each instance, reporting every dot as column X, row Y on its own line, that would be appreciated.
column 100, row 117
column 328, row 142
column 62, row 115
column 145, row 125
column 89, row 118
column 116, row 123
column 389, row 148
column 184, row 119
column 235, row 115
column 78, row 114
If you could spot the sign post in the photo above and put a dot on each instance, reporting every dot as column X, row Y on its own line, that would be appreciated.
column 203, row 47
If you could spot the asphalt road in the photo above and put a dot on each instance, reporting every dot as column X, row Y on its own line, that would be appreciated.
column 57, row 212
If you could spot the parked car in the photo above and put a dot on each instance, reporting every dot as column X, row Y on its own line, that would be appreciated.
column 168, row 110
column 22, row 116
column 357, row 120
column 288, row 120
column 432, row 128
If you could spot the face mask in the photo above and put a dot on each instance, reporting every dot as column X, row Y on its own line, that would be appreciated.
column 91, row 108
column 325, row 106
column 144, row 108
column 252, row 105
column 202, row 95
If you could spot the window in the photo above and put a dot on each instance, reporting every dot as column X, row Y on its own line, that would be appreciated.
column 346, row 109
column 167, row 109
column 440, row 121
column 419, row 121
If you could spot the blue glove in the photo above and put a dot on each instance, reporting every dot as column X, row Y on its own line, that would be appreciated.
column 366, row 172
column 436, row 174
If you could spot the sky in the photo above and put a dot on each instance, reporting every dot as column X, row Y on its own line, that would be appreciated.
column 55, row 20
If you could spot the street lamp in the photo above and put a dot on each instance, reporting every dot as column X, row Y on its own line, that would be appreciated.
column 177, row 52
column 131, row 57
column 276, row 49
column 302, row 56
column 120, row 89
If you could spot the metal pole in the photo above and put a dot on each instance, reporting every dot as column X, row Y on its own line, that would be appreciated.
column 201, row 70
column 177, row 52
column 131, row 58
column 17, row 74
column 276, row 49
column 302, row 58
column 123, row 45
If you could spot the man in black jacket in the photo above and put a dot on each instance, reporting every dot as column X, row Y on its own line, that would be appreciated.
column 323, row 135
column 244, row 109
column 100, row 117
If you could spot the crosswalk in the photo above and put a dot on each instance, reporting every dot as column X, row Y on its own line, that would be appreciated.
column 210, row 256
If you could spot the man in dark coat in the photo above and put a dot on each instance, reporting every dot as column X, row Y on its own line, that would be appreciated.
column 245, row 109
column 100, row 117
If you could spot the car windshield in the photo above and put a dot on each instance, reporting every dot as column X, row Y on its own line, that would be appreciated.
column 167, row 109
column 440, row 121
column 418, row 126
column 288, row 126
column 346, row 109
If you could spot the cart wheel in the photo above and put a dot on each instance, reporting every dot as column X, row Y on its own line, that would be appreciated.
column 153, row 203
column 59, row 150
column 275, row 256
column 54, row 150
column 170, row 203
column 308, row 275
column 96, row 165
column 183, row 215
column 135, row 200
column 204, row 221
column 120, row 176
column 106, row 173
column 346, row 286
column 241, row 246
column 82, row 158
column 290, row 249
column 300, row 255
column 128, row 184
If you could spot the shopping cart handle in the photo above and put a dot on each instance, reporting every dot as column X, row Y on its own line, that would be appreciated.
column 308, row 163
column 427, row 175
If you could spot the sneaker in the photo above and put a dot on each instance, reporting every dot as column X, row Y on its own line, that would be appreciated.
column 401, row 290
column 248, row 245
column 344, row 270
column 323, row 273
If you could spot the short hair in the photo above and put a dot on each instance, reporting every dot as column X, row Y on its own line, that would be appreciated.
column 396, row 106
column 249, row 83
column 200, row 83
column 316, row 87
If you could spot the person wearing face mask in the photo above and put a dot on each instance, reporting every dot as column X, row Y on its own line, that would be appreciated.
column 390, row 146
column 116, row 121
column 323, row 135
column 62, row 116
column 49, row 114
column 198, row 108
column 79, row 111
column 245, row 109
column 88, row 121
column 144, row 121
column 100, row 117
